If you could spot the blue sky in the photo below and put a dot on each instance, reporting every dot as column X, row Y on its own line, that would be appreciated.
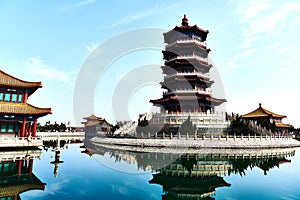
column 255, row 48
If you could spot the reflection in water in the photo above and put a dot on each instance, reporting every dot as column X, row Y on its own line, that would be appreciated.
column 56, row 162
column 16, row 174
column 196, row 175
column 57, row 146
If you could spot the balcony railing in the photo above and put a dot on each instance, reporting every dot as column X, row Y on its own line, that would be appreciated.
column 204, row 60
column 206, row 92
column 191, row 40
column 196, row 117
column 206, row 75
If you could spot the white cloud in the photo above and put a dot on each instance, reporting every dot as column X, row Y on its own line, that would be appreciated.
column 251, row 9
column 38, row 67
column 230, row 65
column 247, row 42
column 264, row 17
column 296, row 20
column 133, row 17
column 91, row 47
column 249, row 52
column 77, row 5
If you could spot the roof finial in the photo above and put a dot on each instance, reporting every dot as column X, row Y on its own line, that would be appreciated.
column 185, row 21
column 260, row 105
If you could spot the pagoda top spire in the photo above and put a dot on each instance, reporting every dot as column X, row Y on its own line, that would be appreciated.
column 185, row 21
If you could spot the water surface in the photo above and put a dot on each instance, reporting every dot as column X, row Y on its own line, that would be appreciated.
column 102, row 173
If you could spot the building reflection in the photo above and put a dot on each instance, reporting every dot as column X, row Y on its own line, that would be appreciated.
column 56, row 162
column 195, row 175
column 16, row 175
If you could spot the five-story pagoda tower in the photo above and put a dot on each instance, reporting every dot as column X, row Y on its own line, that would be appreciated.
column 187, row 81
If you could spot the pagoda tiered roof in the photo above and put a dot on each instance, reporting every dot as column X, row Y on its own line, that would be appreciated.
column 176, row 98
column 262, row 112
column 10, row 81
column 175, row 48
column 184, row 28
column 23, row 109
column 201, row 66
column 189, row 78
column 189, row 184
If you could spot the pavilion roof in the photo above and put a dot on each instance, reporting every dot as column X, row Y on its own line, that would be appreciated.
column 93, row 120
column 92, row 117
column 282, row 125
column 22, row 108
column 17, row 187
column 10, row 81
column 262, row 112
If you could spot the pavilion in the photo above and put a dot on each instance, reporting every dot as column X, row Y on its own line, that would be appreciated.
column 263, row 114
column 95, row 125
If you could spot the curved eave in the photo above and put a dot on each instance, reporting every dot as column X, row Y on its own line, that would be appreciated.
column 9, row 81
column 19, row 187
column 167, row 83
column 262, row 112
column 282, row 125
column 23, row 109
column 179, row 46
column 163, row 100
column 187, row 77
column 215, row 101
column 191, row 61
column 181, row 29
column 199, row 97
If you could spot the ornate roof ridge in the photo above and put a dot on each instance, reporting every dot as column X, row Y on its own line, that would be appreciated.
column 22, row 108
column 261, row 112
column 7, row 79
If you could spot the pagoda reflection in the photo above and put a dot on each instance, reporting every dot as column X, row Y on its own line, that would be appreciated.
column 194, row 175
column 16, row 175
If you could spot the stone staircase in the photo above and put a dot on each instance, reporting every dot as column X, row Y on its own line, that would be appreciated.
column 252, row 126
column 258, row 129
column 129, row 128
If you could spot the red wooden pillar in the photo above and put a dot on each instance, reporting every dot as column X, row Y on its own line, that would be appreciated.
column 25, row 97
column 20, row 163
column 34, row 128
column 23, row 127
column 28, row 129
column 30, row 167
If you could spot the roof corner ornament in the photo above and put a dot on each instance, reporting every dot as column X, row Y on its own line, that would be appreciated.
column 185, row 21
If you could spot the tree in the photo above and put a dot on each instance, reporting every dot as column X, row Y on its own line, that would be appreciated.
column 187, row 127
column 238, row 126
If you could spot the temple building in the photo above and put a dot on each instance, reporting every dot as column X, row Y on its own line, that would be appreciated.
column 263, row 114
column 18, row 119
column 96, row 125
column 16, row 173
column 187, row 82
